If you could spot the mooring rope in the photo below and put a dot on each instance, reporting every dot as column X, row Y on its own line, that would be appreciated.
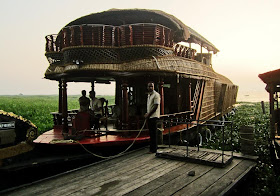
column 114, row 156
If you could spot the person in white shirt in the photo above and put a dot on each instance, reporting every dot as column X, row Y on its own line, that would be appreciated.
column 152, row 115
column 96, row 107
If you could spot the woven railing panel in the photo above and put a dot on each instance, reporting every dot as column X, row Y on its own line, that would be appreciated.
column 111, row 55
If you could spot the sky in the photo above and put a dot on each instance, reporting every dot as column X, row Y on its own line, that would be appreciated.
column 245, row 31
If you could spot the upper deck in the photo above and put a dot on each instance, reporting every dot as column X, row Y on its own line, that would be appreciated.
column 126, row 41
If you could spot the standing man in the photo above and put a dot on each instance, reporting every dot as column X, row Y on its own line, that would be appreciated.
column 152, row 115
column 96, row 107
column 84, row 102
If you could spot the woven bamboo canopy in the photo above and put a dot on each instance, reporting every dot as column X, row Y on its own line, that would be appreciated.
column 116, row 43
column 117, row 17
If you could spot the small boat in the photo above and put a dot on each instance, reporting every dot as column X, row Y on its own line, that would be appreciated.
column 129, row 48
column 16, row 136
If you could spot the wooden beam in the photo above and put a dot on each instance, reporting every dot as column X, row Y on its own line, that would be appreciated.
column 161, row 92
column 272, row 115
column 200, row 100
column 124, row 106
column 189, row 95
column 64, row 106
column 59, row 119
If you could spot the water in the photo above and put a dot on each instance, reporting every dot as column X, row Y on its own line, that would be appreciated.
column 252, row 95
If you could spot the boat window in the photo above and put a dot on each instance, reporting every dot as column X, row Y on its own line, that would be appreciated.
column 166, row 85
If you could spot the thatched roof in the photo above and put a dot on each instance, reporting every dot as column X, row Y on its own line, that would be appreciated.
column 117, row 17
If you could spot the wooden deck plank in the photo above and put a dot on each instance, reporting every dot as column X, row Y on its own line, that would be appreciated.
column 119, row 173
column 140, row 173
column 200, row 185
column 228, row 179
column 158, row 182
column 99, row 168
column 201, row 156
column 181, row 181
column 128, row 181
column 145, row 179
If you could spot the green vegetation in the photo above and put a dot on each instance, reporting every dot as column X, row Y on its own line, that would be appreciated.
column 37, row 108
column 266, row 181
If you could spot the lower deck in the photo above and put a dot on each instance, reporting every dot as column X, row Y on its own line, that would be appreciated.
column 141, row 173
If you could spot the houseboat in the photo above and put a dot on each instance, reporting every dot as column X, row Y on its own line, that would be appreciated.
column 129, row 48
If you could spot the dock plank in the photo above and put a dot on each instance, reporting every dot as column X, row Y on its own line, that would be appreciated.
column 229, row 179
column 180, row 181
column 76, row 176
column 208, row 179
column 128, row 182
column 101, row 178
column 158, row 182
column 201, row 156
column 140, row 173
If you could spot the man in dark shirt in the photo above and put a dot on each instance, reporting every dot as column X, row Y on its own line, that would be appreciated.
column 84, row 102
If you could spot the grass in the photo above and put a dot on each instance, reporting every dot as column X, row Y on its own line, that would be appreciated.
column 37, row 108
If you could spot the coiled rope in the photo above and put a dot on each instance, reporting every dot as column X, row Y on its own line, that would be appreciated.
column 119, row 154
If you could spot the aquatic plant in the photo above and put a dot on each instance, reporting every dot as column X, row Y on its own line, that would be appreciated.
column 38, row 108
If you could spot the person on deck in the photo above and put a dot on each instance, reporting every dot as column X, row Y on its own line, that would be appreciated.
column 152, row 115
column 96, row 107
column 84, row 102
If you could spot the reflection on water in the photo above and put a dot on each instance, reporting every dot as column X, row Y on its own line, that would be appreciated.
column 253, row 96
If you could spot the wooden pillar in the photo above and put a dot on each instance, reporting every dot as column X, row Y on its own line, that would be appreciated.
column 272, row 113
column 189, row 95
column 59, row 102
column 201, row 52
column 118, row 93
column 64, row 106
column 92, row 86
column 200, row 100
column 82, row 35
column 72, row 38
column 52, row 43
column 47, row 44
column 161, row 92
column 178, row 94
column 124, row 106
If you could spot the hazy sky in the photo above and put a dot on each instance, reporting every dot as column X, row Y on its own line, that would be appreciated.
column 245, row 31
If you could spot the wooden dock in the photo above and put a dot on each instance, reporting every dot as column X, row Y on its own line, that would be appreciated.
column 194, row 155
column 140, row 173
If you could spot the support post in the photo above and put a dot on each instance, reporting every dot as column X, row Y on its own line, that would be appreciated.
column 64, row 107
column 272, row 115
column 161, row 92
column 59, row 103
column 82, row 35
column 189, row 96
column 201, row 52
column 124, row 106
column 92, row 86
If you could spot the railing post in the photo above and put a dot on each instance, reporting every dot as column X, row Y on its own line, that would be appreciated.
column 161, row 92
column 59, row 117
column 125, row 106
column 223, row 145
column 231, row 125
column 72, row 39
column 82, row 35
column 47, row 44
column 169, row 139
column 52, row 43
column 64, row 106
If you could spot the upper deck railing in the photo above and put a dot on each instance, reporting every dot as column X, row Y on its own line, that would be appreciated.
column 110, row 36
